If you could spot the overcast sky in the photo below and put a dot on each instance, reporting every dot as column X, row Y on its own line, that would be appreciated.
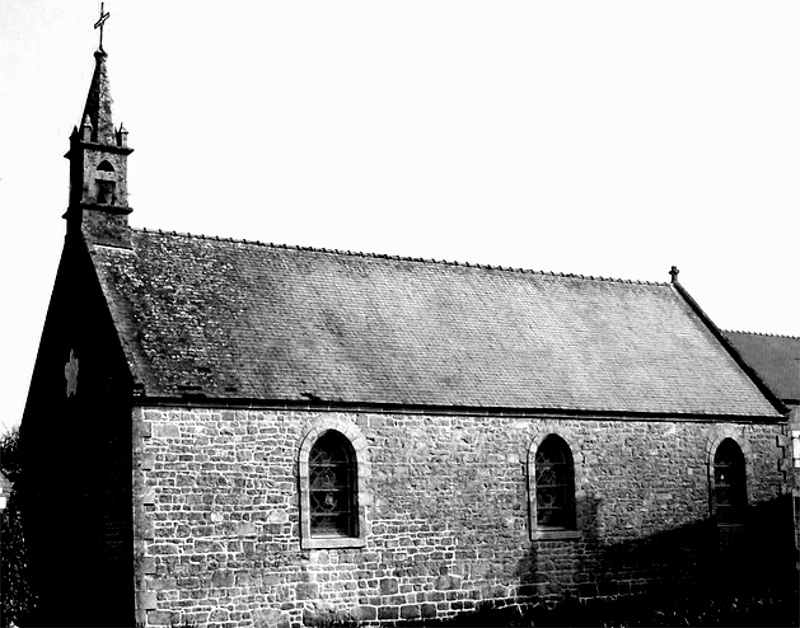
column 601, row 137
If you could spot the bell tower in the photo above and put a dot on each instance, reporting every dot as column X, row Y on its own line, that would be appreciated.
column 98, row 157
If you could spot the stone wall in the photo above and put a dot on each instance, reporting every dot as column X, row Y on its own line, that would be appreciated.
column 445, row 505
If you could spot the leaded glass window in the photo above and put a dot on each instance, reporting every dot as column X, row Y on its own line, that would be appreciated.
column 332, row 475
column 555, row 484
column 730, row 485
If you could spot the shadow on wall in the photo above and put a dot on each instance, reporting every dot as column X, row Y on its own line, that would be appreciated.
column 704, row 559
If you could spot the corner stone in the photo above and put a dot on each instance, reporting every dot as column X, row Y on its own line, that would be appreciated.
column 161, row 618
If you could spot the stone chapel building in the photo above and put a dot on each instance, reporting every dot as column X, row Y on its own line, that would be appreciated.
column 232, row 433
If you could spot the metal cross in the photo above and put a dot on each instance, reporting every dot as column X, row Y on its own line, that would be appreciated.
column 99, row 23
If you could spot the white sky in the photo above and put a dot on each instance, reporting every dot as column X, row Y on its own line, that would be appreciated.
column 605, row 138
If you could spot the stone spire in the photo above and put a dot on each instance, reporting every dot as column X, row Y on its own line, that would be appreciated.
column 98, row 155
column 98, row 103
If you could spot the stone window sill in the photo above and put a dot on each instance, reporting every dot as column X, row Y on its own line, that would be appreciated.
column 555, row 534
column 332, row 542
column 731, row 525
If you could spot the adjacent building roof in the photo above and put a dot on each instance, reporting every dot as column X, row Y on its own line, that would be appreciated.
column 776, row 359
column 232, row 319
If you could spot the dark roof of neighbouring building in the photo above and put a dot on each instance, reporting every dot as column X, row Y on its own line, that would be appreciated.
column 234, row 319
column 776, row 359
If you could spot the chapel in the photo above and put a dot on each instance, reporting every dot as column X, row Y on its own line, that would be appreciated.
column 232, row 433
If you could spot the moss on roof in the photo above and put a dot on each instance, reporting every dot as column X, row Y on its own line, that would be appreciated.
column 232, row 319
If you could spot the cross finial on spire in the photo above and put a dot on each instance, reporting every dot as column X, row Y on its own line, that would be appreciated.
column 674, row 273
column 99, row 23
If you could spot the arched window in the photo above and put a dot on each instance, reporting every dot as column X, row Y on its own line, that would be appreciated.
column 555, row 485
column 105, row 166
column 332, row 487
column 730, row 483
column 333, row 471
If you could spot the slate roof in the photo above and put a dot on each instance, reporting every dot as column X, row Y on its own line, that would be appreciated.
column 776, row 359
column 232, row 319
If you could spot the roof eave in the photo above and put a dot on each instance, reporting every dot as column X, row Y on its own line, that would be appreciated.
column 199, row 400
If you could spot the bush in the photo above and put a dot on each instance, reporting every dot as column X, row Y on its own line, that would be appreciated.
column 16, row 598
column 10, row 459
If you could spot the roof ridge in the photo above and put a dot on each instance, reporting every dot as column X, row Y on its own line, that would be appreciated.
column 401, row 258
column 759, row 333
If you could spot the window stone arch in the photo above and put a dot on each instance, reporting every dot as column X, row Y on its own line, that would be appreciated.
column 728, row 458
column 552, row 459
column 328, row 433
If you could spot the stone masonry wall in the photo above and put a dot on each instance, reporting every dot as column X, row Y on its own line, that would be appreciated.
column 446, row 511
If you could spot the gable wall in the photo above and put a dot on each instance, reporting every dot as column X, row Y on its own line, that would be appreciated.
column 76, row 486
column 446, row 509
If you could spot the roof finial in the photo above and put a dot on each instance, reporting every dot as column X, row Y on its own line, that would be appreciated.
column 674, row 273
column 99, row 24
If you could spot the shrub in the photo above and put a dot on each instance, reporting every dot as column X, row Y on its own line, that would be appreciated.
column 16, row 598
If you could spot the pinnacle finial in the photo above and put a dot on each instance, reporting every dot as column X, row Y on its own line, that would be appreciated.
column 122, row 135
column 674, row 274
column 87, row 127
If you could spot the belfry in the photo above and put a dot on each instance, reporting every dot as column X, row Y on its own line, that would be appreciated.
column 98, row 155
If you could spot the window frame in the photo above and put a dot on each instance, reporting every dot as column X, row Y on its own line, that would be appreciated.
column 360, row 469
column 571, row 528
column 339, row 473
column 738, row 486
